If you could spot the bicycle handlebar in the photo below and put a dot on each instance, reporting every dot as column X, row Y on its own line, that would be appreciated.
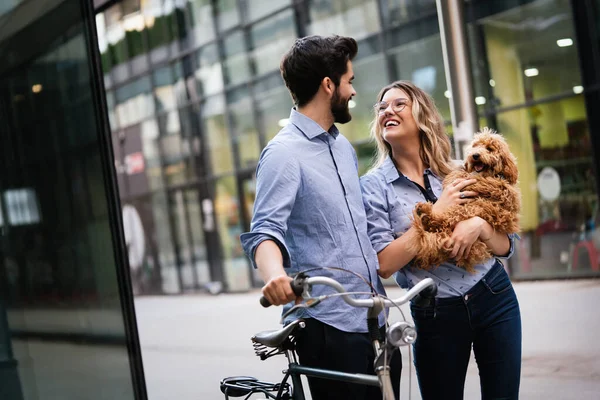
column 301, row 286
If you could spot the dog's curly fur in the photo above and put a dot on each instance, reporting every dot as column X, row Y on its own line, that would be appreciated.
column 490, row 161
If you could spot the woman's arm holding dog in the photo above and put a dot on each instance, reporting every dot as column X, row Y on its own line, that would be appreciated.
column 467, row 232
column 396, row 255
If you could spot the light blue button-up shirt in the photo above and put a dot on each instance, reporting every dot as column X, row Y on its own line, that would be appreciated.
column 389, row 200
column 309, row 202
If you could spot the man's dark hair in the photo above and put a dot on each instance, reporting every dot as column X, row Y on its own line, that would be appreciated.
column 313, row 58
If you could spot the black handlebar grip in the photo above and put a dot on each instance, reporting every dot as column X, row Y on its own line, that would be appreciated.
column 297, row 285
column 429, row 291
column 426, row 297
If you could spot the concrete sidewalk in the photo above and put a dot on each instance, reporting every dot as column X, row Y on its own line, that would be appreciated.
column 191, row 342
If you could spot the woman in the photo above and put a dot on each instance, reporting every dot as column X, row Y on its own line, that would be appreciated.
column 478, row 310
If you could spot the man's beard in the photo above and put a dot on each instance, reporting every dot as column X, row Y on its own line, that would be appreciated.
column 339, row 109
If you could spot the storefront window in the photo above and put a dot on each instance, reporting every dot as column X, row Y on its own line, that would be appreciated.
column 356, row 18
column 532, row 48
column 149, row 138
column 271, row 39
column 164, row 93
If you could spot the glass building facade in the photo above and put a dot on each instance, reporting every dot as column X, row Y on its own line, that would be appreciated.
column 194, row 93
column 67, row 322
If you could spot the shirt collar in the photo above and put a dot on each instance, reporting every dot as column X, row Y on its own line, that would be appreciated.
column 310, row 128
column 392, row 173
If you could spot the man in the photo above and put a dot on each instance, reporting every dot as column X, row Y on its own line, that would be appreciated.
column 309, row 214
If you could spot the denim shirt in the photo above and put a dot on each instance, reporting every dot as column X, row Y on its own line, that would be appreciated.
column 389, row 200
column 309, row 202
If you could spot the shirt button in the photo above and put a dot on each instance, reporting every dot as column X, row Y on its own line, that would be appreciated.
column 466, row 297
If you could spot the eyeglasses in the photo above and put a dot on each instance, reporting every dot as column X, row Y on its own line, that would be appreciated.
column 397, row 105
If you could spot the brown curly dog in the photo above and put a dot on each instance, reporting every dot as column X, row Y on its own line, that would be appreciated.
column 490, row 161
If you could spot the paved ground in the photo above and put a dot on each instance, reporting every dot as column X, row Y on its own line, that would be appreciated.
column 191, row 342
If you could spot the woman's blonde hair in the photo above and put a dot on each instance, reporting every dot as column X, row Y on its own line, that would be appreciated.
column 435, row 144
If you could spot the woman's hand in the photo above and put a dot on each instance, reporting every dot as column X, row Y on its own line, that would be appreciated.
column 454, row 194
column 465, row 234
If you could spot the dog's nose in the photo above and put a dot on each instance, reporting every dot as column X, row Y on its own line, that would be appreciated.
column 476, row 156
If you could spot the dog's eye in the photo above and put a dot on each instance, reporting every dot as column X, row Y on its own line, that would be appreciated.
column 489, row 148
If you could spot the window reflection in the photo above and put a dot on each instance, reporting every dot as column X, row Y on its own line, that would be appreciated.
column 356, row 18
column 202, row 21
column 529, row 55
column 230, row 229
column 215, row 132
column 259, row 8
column 236, row 61
column 209, row 76
column 274, row 106
column 151, row 151
column 227, row 13
column 422, row 63
column 398, row 12
column 370, row 76
column 271, row 39
column 164, row 94
column 134, row 101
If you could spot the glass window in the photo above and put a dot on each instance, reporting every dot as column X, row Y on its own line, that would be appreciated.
column 227, row 14
column 112, row 116
column 399, row 12
column 134, row 101
column 531, row 52
column 215, row 133
column 61, row 265
column 274, row 107
column 166, row 253
column 356, row 18
column 370, row 76
column 422, row 63
column 271, row 39
column 209, row 75
column 244, row 128
column 175, row 162
column 236, row 60
column 260, row 8
column 157, row 29
column 149, row 138
column 164, row 94
column 117, row 46
column 559, row 197
column 202, row 21
column 230, row 228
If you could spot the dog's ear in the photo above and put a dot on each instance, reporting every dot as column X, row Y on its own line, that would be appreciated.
column 510, row 171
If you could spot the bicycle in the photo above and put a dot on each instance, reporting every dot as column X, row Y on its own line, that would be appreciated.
column 271, row 343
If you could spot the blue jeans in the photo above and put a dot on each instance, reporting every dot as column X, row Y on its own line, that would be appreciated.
column 487, row 319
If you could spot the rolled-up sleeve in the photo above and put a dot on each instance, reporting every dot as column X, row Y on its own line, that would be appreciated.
column 278, row 180
column 379, row 226
column 511, row 238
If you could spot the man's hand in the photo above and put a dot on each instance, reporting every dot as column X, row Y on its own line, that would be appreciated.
column 278, row 290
